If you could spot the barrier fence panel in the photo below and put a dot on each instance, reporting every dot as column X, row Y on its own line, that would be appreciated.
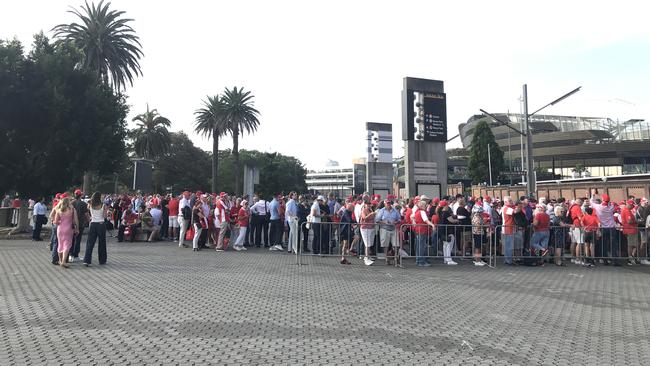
column 345, row 240
column 561, row 244
column 446, row 242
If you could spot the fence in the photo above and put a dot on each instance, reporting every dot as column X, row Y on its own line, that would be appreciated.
column 585, row 246
column 514, row 245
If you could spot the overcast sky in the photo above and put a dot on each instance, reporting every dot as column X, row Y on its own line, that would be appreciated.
column 320, row 69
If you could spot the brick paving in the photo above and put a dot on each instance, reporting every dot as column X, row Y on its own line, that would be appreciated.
column 158, row 304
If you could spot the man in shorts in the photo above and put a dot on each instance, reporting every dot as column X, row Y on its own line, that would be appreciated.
column 387, row 218
column 172, row 206
column 630, row 231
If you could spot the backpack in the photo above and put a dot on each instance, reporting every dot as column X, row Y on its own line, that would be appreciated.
column 187, row 213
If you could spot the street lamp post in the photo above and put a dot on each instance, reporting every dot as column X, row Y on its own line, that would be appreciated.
column 531, row 183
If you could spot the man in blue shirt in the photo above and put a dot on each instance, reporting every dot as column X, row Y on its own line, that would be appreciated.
column 388, row 217
column 291, row 217
column 39, row 218
column 277, row 226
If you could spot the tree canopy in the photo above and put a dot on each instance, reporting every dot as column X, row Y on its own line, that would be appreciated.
column 56, row 120
column 151, row 137
column 478, row 155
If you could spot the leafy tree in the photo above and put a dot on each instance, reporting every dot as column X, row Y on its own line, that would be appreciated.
column 478, row 155
column 151, row 137
column 110, row 47
column 56, row 121
column 211, row 123
column 183, row 167
column 240, row 116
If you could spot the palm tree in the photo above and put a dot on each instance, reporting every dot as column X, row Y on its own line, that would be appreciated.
column 240, row 116
column 210, row 123
column 109, row 45
column 151, row 137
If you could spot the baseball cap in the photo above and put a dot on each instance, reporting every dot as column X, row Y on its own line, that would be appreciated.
column 630, row 202
column 320, row 198
column 223, row 194
column 605, row 197
column 244, row 202
column 424, row 198
column 78, row 192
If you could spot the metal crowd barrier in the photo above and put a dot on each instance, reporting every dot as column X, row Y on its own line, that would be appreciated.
column 446, row 242
column 566, row 242
column 326, row 239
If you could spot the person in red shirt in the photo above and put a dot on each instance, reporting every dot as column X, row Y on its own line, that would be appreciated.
column 590, row 224
column 243, row 215
column 508, row 212
column 541, row 223
column 173, row 218
column 577, row 233
column 630, row 230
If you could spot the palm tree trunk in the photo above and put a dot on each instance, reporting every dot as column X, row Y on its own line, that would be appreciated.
column 235, row 152
column 215, row 160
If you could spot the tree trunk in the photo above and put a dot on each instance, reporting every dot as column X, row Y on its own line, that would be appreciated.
column 87, row 182
column 215, row 160
column 23, row 220
column 235, row 152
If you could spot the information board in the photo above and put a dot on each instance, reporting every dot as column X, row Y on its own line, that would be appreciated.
column 435, row 117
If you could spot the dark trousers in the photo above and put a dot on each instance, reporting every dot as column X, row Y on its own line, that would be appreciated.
column 164, row 227
column 96, row 231
column 262, row 228
column 316, row 242
column 120, row 233
column 116, row 218
column 276, row 232
column 76, row 242
column 38, row 225
column 305, row 235
column 609, row 244
column 54, row 245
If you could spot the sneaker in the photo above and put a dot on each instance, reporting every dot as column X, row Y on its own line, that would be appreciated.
column 70, row 259
column 367, row 261
column 278, row 247
column 480, row 264
column 451, row 263
column 645, row 262
column 403, row 253
column 573, row 261
column 630, row 263
column 237, row 248
column 243, row 248
column 86, row 264
column 218, row 249
column 425, row 264
column 579, row 263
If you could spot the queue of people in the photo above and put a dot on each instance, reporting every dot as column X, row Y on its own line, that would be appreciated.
column 592, row 229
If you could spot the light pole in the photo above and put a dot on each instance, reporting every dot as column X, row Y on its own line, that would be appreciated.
column 530, row 173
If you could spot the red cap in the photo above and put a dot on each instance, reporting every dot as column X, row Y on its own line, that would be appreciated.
column 435, row 200
column 488, row 199
column 630, row 202
column 443, row 203
column 605, row 197
column 223, row 194
column 58, row 195
column 78, row 192
column 64, row 195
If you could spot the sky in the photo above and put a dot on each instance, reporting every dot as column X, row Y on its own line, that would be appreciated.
column 320, row 70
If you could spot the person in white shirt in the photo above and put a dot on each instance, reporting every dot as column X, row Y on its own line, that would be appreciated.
column 156, row 216
column 291, row 216
column 184, row 217
column 259, row 211
column 40, row 210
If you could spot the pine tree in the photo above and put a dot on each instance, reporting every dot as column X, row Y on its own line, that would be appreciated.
column 478, row 155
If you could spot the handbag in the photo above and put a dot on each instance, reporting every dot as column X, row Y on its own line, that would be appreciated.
column 310, row 219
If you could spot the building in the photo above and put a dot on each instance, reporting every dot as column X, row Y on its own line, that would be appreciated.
column 564, row 144
column 341, row 181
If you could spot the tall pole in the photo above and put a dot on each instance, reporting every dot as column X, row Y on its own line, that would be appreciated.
column 530, row 184
column 490, row 165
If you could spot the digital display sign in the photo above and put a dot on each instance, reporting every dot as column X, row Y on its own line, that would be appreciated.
column 435, row 117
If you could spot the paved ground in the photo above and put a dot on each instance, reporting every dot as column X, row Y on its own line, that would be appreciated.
column 158, row 304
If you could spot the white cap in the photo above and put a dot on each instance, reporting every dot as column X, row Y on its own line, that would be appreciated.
column 320, row 198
